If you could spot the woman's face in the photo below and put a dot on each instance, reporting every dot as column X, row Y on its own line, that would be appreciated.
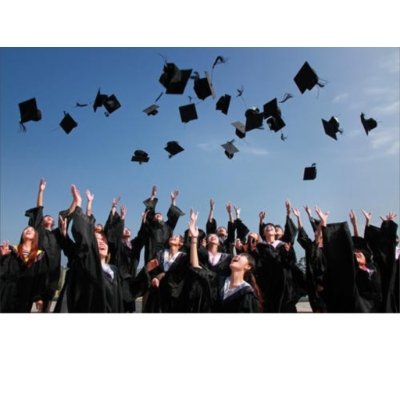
column 175, row 240
column 360, row 257
column 126, row 234
column 212, row 239
column 270, row 230
column 239, row 263
column 102, row 244
column 29, row 233
column 48, row 221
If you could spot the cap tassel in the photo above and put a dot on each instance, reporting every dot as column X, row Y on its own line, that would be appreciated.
column 285, row 97
column 22, row 127
column 81, row 104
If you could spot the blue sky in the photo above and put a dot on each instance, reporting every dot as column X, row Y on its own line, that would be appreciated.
column 356, row 171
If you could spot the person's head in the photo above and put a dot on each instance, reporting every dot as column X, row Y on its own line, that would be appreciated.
column 253, row 238
column 222, row 232
column 360, row 257
column 176, row 241
column 29, row 234
column 99, row 228
column 126, row 233
column 212, row 239
column 278, row 231
column 269, row 231
column 48, row 222
column 102, row 244
column 158, row 217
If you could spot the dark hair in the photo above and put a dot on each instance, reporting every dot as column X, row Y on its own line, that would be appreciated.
column 34, row 248
column 250, row 278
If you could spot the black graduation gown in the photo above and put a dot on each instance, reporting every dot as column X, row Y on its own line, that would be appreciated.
column 20, row 285
column 90, row 289
column 242, row 301
column 124, row 256
column 156, row 234
column 225, row 246
column 315, row 271
column 382, row 242
column 167, row 298
column 49, row 241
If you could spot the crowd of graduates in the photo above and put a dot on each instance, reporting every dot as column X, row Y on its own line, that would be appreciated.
column 220, row 269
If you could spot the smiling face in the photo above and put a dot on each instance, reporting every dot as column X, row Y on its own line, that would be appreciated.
column 28, row 233
column 175, row 240
column 240, row 263
column 48, row 222
column 269, row 232
column 212, row 239
column 102, row 244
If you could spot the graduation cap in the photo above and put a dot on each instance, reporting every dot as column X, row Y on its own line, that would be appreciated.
column 272, row 113
column 310, row 173
column 68, row 123
column 223, row 104
column 173, row 148
column 99, row 100
column 203, row 87
column 331, row 127
column 140, row 156
column 254, row 119
column 151, row 110
column 174, row 79
column 306, row 78
column 188, row 112
column 240, row 131
column 230, row 148
column 111, row 104
column 368, row 123
column 29, row 112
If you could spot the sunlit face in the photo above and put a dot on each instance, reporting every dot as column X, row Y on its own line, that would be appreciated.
column 175, row 240
column 278, row 232
column 126, row 234
column 269, row 230
column 239, row 263
column 212, row 239
column 48, row 221
column 252, row 239
column 158, row 217
column 102, row 244
column 28, row 233
column 360, row 257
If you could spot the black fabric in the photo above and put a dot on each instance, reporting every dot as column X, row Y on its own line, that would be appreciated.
column 49, row 241
column 21, row 285
column 242, row 301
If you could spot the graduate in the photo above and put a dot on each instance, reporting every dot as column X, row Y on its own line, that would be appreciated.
column 23, row 273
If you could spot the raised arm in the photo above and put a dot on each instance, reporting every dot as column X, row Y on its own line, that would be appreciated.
column 353, row 220
column 261, row 217
column 89, row 198
column 174, row 195
column 40, row 195
column 194, row 235
column 229, row 211
column 211, row 212
column 296, row 213
column 323, row 216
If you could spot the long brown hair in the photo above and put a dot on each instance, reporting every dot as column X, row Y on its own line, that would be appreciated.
column 250, row 278
column 34, row 248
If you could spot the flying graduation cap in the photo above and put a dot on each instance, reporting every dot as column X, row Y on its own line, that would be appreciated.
column 254, row 119
column 29, row 112
column 223, row 104
column 368, row 123
column 310, row 173
column 188, row 112
column 240, row 131
column 111, row 104
column 174, row 79
column 151, row 110
column 99, row 100
column 173, row 148
column 68, row 123
column 203, row 87
column 140, row 156
column 230, row 148
column 272, row 114
column 307, row 78
column 331, row 127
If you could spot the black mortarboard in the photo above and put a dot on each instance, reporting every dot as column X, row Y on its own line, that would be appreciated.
column 151, row 110
column 140, row 156
column 306, row 78
column 331, row 127
column 223, row 104
column 29, row 111
column 173, row 148
column 188, row 112
column 203, row 87
column 174, row 79
column 68, row 123
column 368, row 123
column 99, row 100
column 111, row 104
column 254, row 119
column 240, row 131
column 272, row 113
column 310, row 173
column 230, row 149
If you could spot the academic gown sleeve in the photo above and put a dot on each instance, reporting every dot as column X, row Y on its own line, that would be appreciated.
column 211, row 226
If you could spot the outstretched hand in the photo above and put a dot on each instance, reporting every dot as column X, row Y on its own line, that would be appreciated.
column 323, row 216
column 42, row 185
column 193, row 229
column 5, row 248
column 89, row 195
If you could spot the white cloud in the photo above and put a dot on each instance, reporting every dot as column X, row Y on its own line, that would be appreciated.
column 340, row 98
column 255, row 151
column 207, row 146
column 387, row 109
column 391, row 63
